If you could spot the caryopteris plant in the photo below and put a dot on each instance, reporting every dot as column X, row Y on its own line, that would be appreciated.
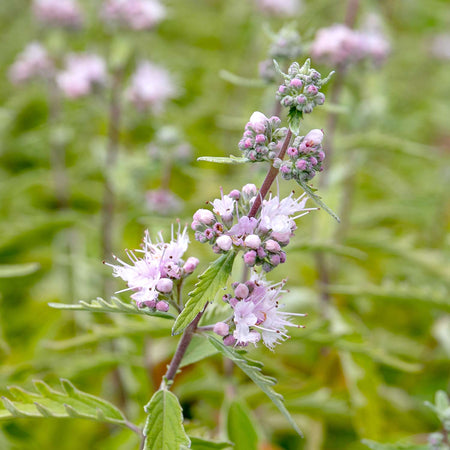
column 248, row 226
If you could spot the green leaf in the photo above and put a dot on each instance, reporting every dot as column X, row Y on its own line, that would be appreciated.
column 203, row 444
column 17, row 270
column 210, row 282
column 253, row 370
column 315, row 198
column 50, row 403
column 164, row 426
column 221, row 160
column 294, row 119
column 241, row 81
column 113, row 306
column 240, row 427
column 199, row 348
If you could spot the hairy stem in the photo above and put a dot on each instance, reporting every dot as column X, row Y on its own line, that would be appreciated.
column 181, row 350
column 270, row 177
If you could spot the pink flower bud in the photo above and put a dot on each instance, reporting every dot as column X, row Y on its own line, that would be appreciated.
column 272, row 246
column 224, row 242
column 229, row 340
column 301, row 164
column 241, row 291
column 260, row 139
column 275, row 260
column 204, row 216
column 190, row 265
column 249, row 190
column 285, row 169
column 234, row 194
column 292, row 151
column 314, row 138
column 164, row 285
column 261, row 252
column 150, row 303
column 301, row 99
column 248, row 143
column 295, row 82
column 221, row 328
column 250, row 258
column 282, row 89
column 282, row 257
column 252, row 241
column 162, row 306
column 321, row 156
column 313, row 161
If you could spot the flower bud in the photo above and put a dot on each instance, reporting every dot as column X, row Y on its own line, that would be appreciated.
column 150, row 303
column 164, row 285
column 249, row 190
column 221, row 328
column 191, row 264
column 162, row 306
column 272, row 246
column 241, row 291
column 250, row 258
column 204, row 216
column 252, row 241
column 224, row 242
column 234, row 194
column 229, row 340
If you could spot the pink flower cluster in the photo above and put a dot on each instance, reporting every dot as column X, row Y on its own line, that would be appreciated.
column 305, row 157
column 262, row 238
column 134, row 14
column 151, row 86
column 262, row 137
column 83, row 72
column 152, row 276
column 256, row 314
column 301, row 88
column 33, row 62
column 59, row 13
column 340, row 45
column 279, row 7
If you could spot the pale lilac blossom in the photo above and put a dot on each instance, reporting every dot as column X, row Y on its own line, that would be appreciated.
column 151, row 87
column 60, row 13
column 134, row 14
column 83, row 72
column 33, row 62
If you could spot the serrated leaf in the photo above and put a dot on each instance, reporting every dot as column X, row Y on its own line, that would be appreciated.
column 47, row 402
column 164, row 426
column 316, row 199
column 199, row 348
column 294, row 119
column 203, row 444
column 253, row 371
column 113, row 306
column 223, row 160
column 210, row 282
column 241, row 81
column 17, row 270
column 240, row 427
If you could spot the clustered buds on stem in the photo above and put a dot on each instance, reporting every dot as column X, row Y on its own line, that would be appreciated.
column 301, row 88
column 256, row 314
column 305, row 157
column 262, row 137
column 262, row 238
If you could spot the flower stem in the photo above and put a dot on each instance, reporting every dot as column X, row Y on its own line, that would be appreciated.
column 180, row 351
column 270, row 177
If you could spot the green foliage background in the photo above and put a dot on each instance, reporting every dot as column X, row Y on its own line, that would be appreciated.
column 368, row 358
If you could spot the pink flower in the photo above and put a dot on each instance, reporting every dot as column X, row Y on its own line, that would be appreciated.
column 258, row 316
column 151, row 86
column 61, row 13
column 33, row 62
column 134, row 14
column 83, row 72
column 279, row 7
